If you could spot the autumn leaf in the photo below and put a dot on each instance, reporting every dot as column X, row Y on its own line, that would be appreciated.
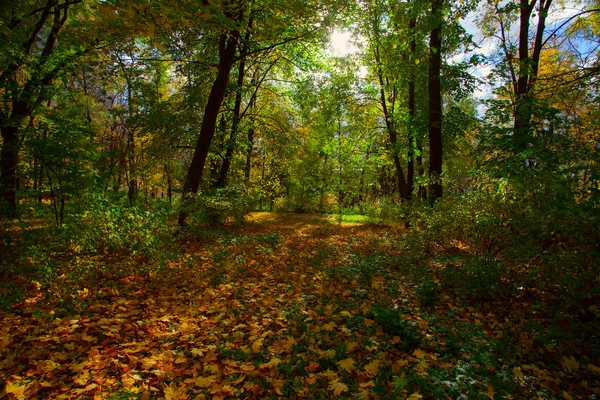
column 46, row 366
column 347, row 364
column 414, row 396
column 176, row 393
column 569, row 363
column 16, row 390
column 594, row 368
column 271, row 364
column 567, row 396
column 197, row 352
column 517, row 372
column 289, row 344
column 257, row 345
column 338, row 387
column 419, row 354
column 203, row 382
column 372, row 368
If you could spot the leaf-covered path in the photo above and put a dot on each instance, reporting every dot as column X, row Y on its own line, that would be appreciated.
column 285, row 305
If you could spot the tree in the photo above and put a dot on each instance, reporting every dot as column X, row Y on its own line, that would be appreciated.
column 435, row 102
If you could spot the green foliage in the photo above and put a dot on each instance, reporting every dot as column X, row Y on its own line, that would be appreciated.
column 220, row 205
column 501, row 236
column 385, row 211
column 114, row 229
column 391, row 321
column 427, row 293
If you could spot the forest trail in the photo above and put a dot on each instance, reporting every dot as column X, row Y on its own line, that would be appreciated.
column 284, row 305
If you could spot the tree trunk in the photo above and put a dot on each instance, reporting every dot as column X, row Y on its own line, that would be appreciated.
column 435, row 103
column 227, row 48
column 402, row 186
column 528, row 70
column 8, row 167
column 235, row 124
column 410, row 169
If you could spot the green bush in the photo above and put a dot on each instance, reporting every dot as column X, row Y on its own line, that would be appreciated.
column 501, row 236
column 385, row 211
column 115, row 229
column 220, row 205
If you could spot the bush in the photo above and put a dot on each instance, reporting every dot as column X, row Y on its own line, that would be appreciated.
column 120, row 230
column 501, row 236
column 385, row 211
column 220, row 206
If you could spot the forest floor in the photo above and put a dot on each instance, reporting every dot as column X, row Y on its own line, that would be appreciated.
column 292, row 306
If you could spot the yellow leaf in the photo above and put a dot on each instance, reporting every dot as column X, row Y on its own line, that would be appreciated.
column 203, row 382
column 570, row 364
column 419, row 354
column 366, row 385
column 593, row 368
column 272, row 364
column 4, row 341
column 257, row 345
column 289, row 344
column 338, row 387
column 372, row 368
column 517, row 372
column 396, row 340
column 346, row 314
column 47, row 365
column 197, row 352
column 414, row 396
column 567, row 396
column 329, row 326
column 422, row 368
column 347, row 364
column 176, row 393
column 15, row 390
column 490, row 392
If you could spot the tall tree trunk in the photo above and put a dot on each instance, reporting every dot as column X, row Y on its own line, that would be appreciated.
column 528, row 69
column 235, row 124
column 435, row 103
column 410, row 168
column 402, row 186
column 9, row 162
column 227, row 48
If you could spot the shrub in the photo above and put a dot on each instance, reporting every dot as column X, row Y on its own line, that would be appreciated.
column 120, row 230
column 220, row 205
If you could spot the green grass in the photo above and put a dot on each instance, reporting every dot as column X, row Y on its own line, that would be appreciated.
column 350, row 219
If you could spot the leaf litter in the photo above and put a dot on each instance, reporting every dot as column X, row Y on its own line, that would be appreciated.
column 283, row 306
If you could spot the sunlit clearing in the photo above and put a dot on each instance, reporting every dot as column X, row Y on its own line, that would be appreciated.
column 340, row 43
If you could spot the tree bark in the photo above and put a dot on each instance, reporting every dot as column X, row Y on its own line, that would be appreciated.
column 227, row 48
column 9, row 162
column 435, row 103
column 528, row 70
column 402, row 186
column 410, row 168
column 230, row 147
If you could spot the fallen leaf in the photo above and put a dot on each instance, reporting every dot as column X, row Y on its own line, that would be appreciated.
column 569, row 363
column 347, row 364
column 16, row 390
column 372, row 368
column 419, row 354
column 271, row 364
column 338, row 387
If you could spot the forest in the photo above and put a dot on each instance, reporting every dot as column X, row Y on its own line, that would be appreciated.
column 260, row 199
